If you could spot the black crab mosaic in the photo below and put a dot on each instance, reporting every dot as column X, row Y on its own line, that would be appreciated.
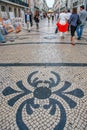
column 42, row 90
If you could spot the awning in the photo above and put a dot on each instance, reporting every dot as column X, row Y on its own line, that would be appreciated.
column 12, row 3
column 50, row 11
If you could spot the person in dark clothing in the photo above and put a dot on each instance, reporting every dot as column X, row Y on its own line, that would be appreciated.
column 36, row 18
column 52, row 18
column 26, row 17
column 27, row 20
column 31, row 17
column 73, row 22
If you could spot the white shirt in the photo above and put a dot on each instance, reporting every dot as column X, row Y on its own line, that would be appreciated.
column 62, row 18
column 68, row 16
column 28, row 18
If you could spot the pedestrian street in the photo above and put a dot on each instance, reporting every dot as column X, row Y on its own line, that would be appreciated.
column 43, row 80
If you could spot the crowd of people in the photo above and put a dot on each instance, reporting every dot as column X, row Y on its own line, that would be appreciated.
column 66, row 21
column 72, row 21
column 8, row 25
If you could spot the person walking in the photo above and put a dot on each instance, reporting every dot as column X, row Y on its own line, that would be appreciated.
column 73, row 23
column 83, row 16
column 52, row 17
column 36, row 18
column 62, row 24
column 31, row 18
column 68, row 17
column 56, row 16
column 48, row 16
column 27, row 20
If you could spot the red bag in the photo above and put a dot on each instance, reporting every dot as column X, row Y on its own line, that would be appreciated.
column 62, row 28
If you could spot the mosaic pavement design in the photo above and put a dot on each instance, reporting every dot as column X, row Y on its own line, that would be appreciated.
column 43, row 94
column 42, row 104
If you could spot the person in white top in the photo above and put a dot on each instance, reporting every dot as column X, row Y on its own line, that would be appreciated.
column 68, row 14
column 57, row 16
column 68, row 17
column 62, row 27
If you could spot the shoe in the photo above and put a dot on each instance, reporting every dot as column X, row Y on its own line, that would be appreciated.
column 3, row 42
column 79, row 38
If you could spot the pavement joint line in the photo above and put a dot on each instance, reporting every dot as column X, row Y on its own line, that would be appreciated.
column 29, row 43
column 43, row 64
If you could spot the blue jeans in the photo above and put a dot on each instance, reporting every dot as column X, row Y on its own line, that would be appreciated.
column 79, row 30
column 1, row 37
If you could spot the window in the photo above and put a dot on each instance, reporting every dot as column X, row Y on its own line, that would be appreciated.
column 3, row 8
column 10, row 9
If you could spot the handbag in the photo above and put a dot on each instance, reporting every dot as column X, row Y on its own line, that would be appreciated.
column 78, row 21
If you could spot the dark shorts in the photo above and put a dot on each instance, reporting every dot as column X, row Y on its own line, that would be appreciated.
column 73, row 29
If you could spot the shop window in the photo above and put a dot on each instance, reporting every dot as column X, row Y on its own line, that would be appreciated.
column 10, row 9
column 3, row 8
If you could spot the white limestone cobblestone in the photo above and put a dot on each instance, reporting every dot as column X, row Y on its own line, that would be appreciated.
column 41, row 119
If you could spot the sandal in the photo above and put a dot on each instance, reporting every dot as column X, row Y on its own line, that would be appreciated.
column 73, row 44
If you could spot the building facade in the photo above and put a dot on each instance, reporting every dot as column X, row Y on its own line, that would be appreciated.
column 60, row 5
column 40, row 5
column 75, row 3
column 15, row 8
column 45, row 7
column 12, row 7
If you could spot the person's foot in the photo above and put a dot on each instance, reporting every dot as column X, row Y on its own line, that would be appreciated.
column 62, row 37
column 73, row 44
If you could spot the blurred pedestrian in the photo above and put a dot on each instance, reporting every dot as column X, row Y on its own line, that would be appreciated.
column 68, row 17
column 52, row 17
column 31, row 18
column 73, row 22
column 36, row 18
column 62, row 24
column 41, row 15
column 2, row 39
column 83, row 16
column 48, row 16
column 56, row 16
column 27, row 20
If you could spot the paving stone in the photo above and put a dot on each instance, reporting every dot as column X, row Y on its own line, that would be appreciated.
column 43, row 82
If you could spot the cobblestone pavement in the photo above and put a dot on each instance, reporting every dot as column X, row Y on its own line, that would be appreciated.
column 43, row 81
